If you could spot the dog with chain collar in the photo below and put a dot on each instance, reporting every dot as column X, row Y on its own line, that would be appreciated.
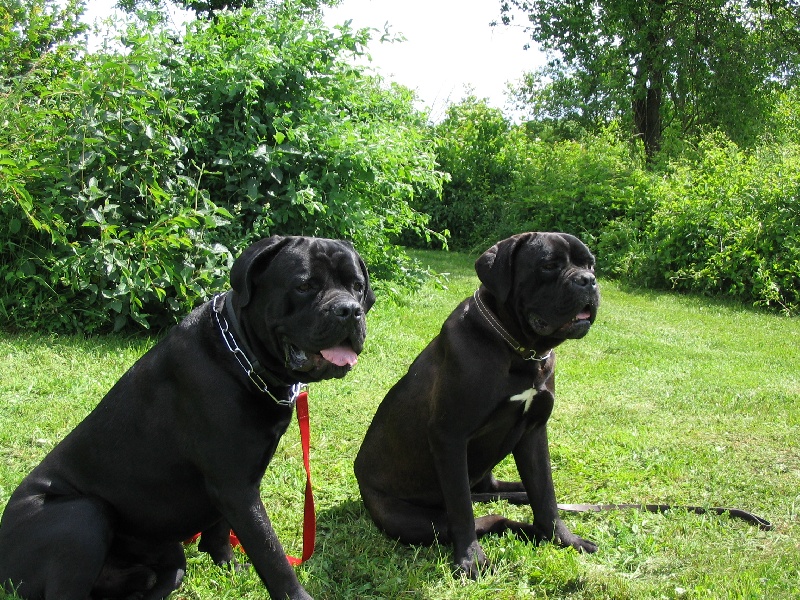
column 182, row 440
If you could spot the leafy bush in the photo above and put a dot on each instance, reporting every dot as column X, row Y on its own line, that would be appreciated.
column 294, row 138
column 725, row 223
column 719, row 220
column 471, row 146
column 157, row 164
column 503, row 180
column 575, row 186
column 103, row 227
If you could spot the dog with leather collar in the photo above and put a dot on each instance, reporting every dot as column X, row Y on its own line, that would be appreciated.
column 474, row 395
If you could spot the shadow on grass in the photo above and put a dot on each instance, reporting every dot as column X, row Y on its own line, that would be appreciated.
column 356, row 560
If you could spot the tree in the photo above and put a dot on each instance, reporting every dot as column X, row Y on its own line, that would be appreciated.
column 700, row 64
column 30, row 29
column 208, row 8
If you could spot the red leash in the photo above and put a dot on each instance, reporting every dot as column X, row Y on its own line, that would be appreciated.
column 309, row 514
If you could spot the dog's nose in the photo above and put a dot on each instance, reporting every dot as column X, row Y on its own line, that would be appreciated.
column 347, row 310
column 585, row 280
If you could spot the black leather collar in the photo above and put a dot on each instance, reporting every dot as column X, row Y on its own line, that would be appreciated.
column 494, row 323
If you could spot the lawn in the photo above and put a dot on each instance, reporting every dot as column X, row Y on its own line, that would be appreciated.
column 669, row 399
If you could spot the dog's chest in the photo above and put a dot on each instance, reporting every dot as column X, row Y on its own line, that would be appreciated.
column 535, row 395
column 524, row 398
column 532, row 404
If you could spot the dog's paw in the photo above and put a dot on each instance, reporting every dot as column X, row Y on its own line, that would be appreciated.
column 233, row 565
column 567, row 539
column 472, row 562
column 584, row 545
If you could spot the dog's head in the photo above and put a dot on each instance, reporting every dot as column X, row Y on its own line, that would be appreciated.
column 303, row 301
column 545, row 280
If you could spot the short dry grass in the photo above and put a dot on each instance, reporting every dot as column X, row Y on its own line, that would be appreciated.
column 668, row 399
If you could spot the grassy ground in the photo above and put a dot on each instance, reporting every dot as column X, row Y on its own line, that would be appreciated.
column 668, row 399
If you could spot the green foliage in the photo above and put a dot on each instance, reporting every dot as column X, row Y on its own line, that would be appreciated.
column 471, row 149
column 720, row 221
column 655, row 65
column 34, row 30
column 565, row 98
column 577, row 186
column 210, row 8
column 725, row 223
column 504, row 180
column 131, row 179
column 100, row 232
column 294, row 138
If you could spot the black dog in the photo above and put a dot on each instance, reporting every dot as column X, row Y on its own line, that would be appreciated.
column 181, row 442
column 482, row 389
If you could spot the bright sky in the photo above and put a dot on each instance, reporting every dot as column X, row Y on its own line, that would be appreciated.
column 449, row 46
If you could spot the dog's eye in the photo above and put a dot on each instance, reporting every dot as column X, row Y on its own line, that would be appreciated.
column 304, row 287
column 358, row 287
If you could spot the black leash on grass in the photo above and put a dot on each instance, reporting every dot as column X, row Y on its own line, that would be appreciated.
column 522, row 498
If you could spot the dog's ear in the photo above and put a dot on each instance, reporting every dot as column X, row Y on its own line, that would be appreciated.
column 244, row 266
column 495, row 267
column 369, row 295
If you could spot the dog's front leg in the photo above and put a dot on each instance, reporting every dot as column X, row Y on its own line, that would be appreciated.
column 450, row 459
column 532, row 456
column 245, row 511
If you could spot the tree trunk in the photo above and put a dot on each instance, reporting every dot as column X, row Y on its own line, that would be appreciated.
column 647, row 115
column 648, row 81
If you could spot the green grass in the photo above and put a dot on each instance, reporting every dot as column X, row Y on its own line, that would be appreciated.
column 668, row 399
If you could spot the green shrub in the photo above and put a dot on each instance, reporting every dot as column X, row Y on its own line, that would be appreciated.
column 725, row 224
column 294, row 138
column 105, row 225
column 504, row 181
column 131, row 179
column 575, row 186
column 470, row 148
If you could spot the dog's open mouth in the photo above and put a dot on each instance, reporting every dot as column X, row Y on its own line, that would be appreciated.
column 301, row 360
column 340, row 356
column 584, row 315
column 583, row 319
column 579, row 324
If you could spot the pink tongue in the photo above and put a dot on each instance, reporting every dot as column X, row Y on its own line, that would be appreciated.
column 340, row 356
column 583, row 316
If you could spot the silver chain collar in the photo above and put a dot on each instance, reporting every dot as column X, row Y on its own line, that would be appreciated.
column 498, row 327
column 242, row 358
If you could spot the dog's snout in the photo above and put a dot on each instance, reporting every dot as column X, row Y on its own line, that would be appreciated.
column 347, row 310
column 585, row 279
